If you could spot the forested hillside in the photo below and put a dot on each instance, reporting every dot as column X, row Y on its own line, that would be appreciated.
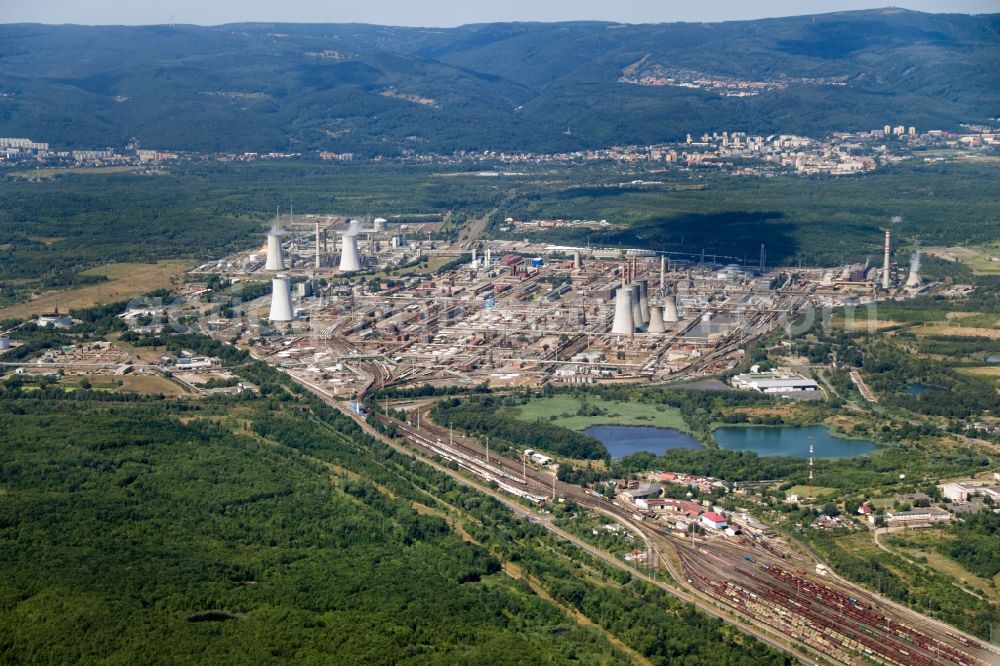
column 542, row 87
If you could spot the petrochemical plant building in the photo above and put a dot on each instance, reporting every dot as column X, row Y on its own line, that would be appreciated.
column 771, row 382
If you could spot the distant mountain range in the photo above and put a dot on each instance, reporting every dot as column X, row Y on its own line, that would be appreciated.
column 513, row 86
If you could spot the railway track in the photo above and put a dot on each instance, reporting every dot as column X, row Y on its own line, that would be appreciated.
column 768, row 590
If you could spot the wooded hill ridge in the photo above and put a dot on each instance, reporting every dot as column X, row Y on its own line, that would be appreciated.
column 542, row 87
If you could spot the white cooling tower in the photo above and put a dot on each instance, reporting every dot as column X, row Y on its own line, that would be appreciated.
column 350, row 260
column 656, row 320
column 281, row 299
column 623, row 313
column 644, row 300
column 913, row 280
column 670, row 308
column 636, row 293
column 275, row 255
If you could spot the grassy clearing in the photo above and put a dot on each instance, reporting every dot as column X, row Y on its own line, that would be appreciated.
column 982, row 259
column 124, row 281
column 817, row 491
column 433, row 263
column 562, row 410
column 916, row 545
column 986, row 371
column 52, row 173
column 992, row 333
column 144, row 384
column 862, row 323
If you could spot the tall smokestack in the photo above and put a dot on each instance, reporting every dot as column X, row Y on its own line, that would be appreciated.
column 319, row 257
column 576, row 260
column 885, row 262
column 663, row 271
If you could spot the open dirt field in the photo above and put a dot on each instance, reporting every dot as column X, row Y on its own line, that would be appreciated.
column 124, row 282
column 993, row 333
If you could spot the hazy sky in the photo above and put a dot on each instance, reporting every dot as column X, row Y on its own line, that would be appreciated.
column 439, row 12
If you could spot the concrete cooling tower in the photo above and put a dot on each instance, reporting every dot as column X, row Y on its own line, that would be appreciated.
column 913, row 280
column 623, row 324
column 275, row 255
column 350, row 259
column 281, row 299
column 656, row 320
column 670, row 308
column 636, row 293
column 644, row 301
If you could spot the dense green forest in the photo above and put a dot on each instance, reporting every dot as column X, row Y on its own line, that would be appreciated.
column 520, row 86
column 241, row 529
column 822, row 220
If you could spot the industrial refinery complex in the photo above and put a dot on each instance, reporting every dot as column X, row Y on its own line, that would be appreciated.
column 361, row 305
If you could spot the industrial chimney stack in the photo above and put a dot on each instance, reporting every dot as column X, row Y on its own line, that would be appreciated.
column 885, row 262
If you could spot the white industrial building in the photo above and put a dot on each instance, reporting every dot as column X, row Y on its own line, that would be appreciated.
column 920, row 517
column 961, row 492
column 771, row 382
column 55, row 320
